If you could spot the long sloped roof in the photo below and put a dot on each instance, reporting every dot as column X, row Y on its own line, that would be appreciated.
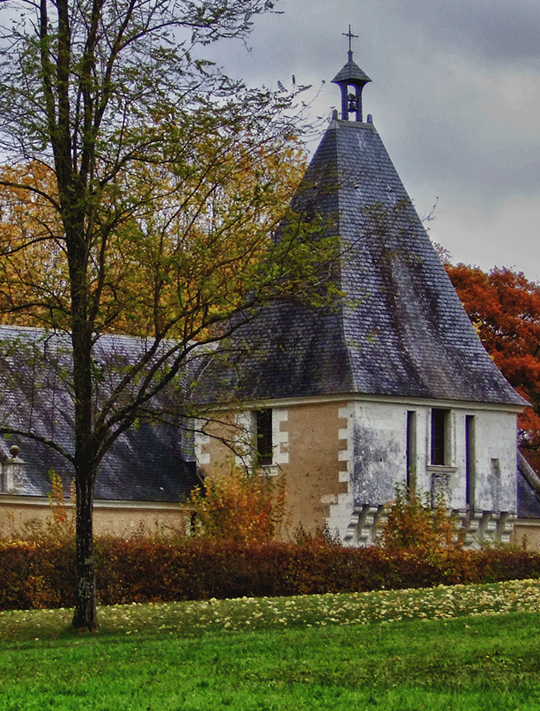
column 151, row 462
column 528, row 490
column 400, row 330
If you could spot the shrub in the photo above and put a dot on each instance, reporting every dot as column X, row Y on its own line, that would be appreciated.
column 238, row 506
column 139, row 570
column 413, row 523
column 39, row 574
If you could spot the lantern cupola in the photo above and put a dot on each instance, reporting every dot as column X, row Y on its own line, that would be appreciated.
column 351, row 80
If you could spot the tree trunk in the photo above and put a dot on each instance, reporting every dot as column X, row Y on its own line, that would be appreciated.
column 85, row 444
column 85, row 605
column 85, row 475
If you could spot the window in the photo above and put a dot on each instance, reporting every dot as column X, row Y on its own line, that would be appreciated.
column 265, row 455
column 410, row 455
column 439, row 436
column 469, row 461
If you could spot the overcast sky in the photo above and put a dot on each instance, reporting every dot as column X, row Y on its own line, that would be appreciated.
column 455, row 96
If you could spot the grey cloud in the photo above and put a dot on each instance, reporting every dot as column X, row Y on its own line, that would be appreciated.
column 496, row 29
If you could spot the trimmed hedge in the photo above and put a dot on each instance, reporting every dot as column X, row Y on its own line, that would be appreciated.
column 41, row 574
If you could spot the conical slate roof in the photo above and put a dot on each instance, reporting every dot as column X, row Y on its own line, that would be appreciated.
column 407, row 334
column 401, row 330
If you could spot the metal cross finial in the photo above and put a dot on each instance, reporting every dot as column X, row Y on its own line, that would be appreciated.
column 350, row 35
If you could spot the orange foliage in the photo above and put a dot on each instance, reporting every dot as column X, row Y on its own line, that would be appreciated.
column 39, row 574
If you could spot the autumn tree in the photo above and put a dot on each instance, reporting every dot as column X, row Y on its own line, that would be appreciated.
column 140, row 195
column 504, row 308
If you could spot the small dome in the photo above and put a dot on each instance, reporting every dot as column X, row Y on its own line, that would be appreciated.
column 352, row 74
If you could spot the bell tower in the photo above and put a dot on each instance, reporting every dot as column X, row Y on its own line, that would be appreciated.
column 351, row 80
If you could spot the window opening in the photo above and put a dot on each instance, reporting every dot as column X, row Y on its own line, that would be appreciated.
column 411, row 449
column 469, row 461
column 439, row 419
column 265, row 454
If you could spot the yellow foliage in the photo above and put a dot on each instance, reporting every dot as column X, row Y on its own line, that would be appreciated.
column 33, row 270
column 62, row 524
column 178, row 243
column 412, row 522
column 238, row 506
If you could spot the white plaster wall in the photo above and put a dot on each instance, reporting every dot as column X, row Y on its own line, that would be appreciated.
column 244, row 438
column 341, row 515
column 423, row 446
column 459, row 477
column 378, row 442
column 496, row 440
column 379, row 451
column 202, row 441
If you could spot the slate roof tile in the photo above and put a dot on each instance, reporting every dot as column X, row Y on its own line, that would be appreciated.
column 152, row 462
column 401, row 331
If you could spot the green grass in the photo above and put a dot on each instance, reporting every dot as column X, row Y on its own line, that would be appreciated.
column 475, row 647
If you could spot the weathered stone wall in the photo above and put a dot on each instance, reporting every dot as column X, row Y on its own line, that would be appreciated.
column 24, row 515
column 526, row 534
column 343, row 460
column 313, row 471
column 496, row 461
column 307, row 446
column 375, row 452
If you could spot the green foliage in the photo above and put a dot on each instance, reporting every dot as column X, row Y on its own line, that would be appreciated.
column 413, row 523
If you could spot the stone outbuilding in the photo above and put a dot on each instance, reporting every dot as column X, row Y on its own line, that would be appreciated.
column 145, row 476
column 390, row 387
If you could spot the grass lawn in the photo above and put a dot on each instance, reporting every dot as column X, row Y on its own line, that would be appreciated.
column 474, row 647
